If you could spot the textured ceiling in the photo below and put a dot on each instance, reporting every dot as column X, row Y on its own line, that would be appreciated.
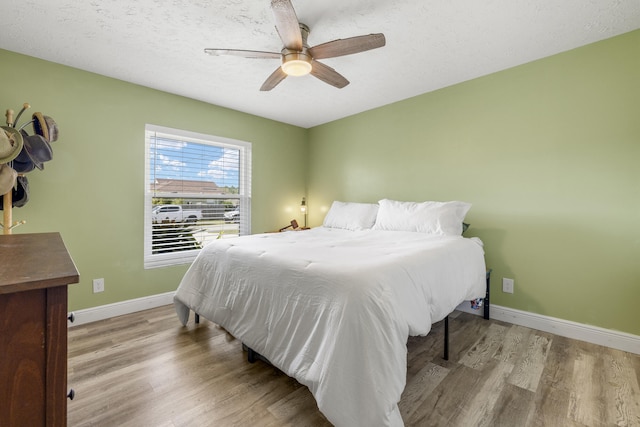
column 430, row 45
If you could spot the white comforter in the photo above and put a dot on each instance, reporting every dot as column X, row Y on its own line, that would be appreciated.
column 334, row 308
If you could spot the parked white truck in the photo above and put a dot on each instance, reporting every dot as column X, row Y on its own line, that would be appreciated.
column 174, row 213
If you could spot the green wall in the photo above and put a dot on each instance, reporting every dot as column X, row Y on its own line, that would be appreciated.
column 92, row 190
column 548, row 153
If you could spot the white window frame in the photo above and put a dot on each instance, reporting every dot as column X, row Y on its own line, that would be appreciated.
column 183, row 257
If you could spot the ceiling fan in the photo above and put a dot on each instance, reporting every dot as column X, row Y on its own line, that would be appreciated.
column 297, row 57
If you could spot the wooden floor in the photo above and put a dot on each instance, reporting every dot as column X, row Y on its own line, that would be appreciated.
column 145, row 369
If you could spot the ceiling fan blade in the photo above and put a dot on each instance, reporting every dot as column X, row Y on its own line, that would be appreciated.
column 244, row 53
column 287, row 24
column 272, row 81
column 328, row 75
column 348, row 46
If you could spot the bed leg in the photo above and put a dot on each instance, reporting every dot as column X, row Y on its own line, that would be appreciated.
column 446, row 338
column 197, row 318
column 251, row 355
column 486, row 298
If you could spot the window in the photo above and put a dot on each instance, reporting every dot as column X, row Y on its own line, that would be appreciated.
column 197, row 189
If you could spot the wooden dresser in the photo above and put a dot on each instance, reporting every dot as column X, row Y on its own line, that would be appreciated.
column 35, row 270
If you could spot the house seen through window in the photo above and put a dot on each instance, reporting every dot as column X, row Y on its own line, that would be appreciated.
column 197, row 189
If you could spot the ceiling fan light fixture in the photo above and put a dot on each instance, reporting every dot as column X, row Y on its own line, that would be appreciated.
column 296, row 68
column 296, row 63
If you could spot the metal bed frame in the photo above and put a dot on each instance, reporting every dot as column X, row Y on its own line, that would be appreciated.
column 485, row 305
column 253, row 356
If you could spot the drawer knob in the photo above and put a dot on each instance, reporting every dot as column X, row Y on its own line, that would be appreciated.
column 71, row 394
column 71, row 316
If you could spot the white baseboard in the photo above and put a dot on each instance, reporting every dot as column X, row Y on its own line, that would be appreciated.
column 102, row 312
column 565, row 328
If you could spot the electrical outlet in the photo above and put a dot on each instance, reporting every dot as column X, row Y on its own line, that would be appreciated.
column 507, row 285
column 98, row 285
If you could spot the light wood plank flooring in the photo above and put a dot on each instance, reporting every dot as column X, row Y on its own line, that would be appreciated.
column 145, row 369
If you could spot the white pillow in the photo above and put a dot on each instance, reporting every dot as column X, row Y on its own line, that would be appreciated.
column 441, row 218
column 351, row 216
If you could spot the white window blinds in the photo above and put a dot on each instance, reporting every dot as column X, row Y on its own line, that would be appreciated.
column 197, row 189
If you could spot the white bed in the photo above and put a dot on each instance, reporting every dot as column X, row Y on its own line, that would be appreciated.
column 333, row 308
